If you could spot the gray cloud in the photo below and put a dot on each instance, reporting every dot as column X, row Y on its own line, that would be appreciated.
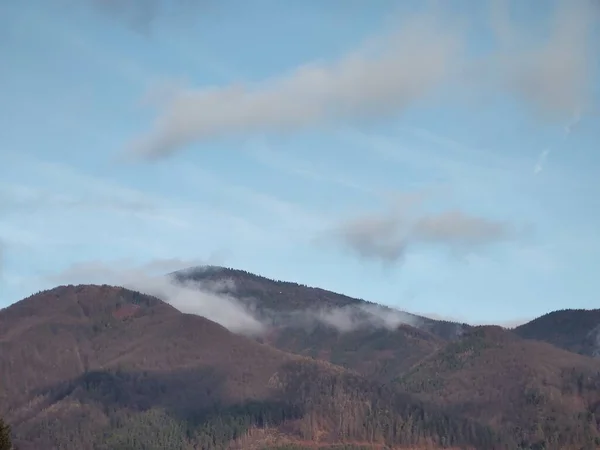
column 141, row 15
column 374, row 81
column 553, row 75
column 386, row 236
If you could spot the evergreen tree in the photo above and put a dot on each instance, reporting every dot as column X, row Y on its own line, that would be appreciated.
column 5, row 442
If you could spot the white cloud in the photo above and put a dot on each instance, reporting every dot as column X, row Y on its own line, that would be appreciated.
column 552, row 74
column 350, row 318
column 555, row 74
column 216, row 300
column 204, row 299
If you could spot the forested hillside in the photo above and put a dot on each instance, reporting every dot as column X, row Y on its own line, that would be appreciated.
column 97, row 367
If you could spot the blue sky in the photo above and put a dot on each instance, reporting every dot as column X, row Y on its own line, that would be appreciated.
column 439, row 157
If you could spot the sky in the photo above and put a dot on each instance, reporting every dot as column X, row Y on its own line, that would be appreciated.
column 437, row 157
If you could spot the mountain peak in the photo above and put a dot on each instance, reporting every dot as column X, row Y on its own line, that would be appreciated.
column 86, row 301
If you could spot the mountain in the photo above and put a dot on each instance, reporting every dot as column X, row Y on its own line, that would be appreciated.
column 545, row 397
column 576, row 330
column 101, row 367
column 285, row 296
column 416, row 350
column 346, row 331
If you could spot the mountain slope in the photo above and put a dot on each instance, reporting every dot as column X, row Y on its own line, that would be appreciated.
column 576, row 330
column 376, row 341
column 284, row 296
column 544, row 396
column 99, row 367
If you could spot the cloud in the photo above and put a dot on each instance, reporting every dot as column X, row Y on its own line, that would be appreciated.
column 387, row 75
column 218, row 301
column 141, row 15
column 375, row 81
column 24, row 198
column 350, row 318
column 210, row 300
column 101, row 272
column 541, row 161
column 100, row 207
column 555, row 75
column 387, row 236
column 568, row 129
column 264, row 154
column 291, row 216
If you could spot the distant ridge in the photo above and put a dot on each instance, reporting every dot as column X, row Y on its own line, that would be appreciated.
column 576, row 330
column 99, row 368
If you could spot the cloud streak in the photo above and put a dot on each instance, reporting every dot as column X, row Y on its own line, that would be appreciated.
column 568, row 129
column 387, row 236
column 218, row 300
column 387, row 75
column 553, row 75
column 370, row 82
column 346, row 319
column 210, row 300
column 141, row 15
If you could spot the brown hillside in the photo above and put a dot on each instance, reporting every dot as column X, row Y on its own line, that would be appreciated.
column 378, row 353
column 545, row 396
column 285, row 296
column 373, row 350
column 98, row 367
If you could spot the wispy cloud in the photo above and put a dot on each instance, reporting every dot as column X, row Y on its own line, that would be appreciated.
column 204, row 299
column 351, row 318
column 387, row 236
column 555, row 75
column 373, row 81
column 541, row 161
column 62, row 187
column 262, row 152
column 62, row 33
column 23, row 198
column 439, row 166
column 568, row 129
column 289, row 215
column 217, row 300
column 58, row 205
column 389, row 74
column 141, row 15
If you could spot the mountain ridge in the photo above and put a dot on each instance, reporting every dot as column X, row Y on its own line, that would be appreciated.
column 576, row 330
column 76, row 375
column 130, row 362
